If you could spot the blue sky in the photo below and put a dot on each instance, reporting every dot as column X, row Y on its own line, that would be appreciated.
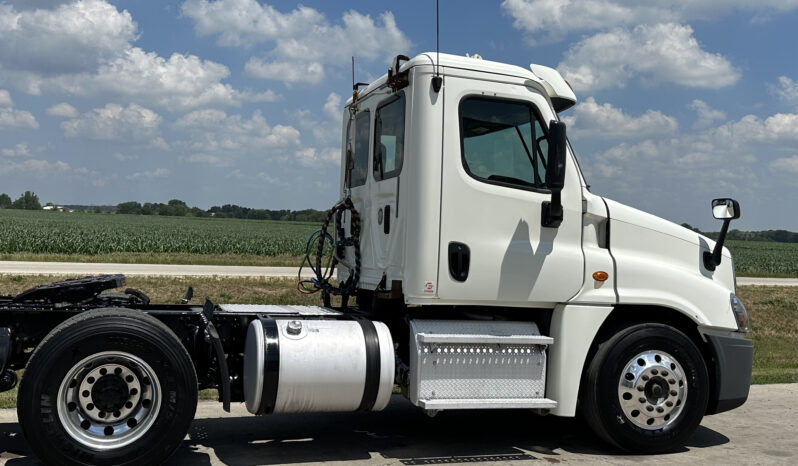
column 239, row 101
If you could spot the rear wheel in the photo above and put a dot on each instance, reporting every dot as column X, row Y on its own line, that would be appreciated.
column 110, row 386
column 646, row 389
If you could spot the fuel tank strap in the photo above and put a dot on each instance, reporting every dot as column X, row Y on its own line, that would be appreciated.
column 371, row 386
column 271, row 365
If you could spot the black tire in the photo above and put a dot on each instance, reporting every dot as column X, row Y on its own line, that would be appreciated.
column 600, row 394
column 85, row 336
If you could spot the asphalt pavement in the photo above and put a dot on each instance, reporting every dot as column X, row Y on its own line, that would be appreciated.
column 763, row 431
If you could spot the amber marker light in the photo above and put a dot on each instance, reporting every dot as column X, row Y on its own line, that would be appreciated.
column 600, row 276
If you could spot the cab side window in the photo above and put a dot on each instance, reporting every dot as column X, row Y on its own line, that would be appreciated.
column 389, row 137
column 503, row 142
column 360, row 157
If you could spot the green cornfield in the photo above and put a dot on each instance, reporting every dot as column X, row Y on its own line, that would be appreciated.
column 42, row 232
column 764, row 258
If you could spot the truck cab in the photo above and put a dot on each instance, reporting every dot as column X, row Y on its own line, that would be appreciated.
column 452, row 163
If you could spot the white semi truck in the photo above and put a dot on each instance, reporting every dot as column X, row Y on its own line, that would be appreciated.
column 484, row 272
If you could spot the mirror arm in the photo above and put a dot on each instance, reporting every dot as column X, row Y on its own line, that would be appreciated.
column 713, row 259
column 551, row 212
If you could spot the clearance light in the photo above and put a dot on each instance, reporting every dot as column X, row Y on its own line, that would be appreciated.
column 600, row 276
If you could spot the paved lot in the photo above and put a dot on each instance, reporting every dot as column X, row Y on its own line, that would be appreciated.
column 68, row 268
column 763, row 431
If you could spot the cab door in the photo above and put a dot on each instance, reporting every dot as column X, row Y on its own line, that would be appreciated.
column 493, row 248
column 388, row 159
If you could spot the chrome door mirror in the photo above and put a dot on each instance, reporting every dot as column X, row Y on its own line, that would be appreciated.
column 723, row 209
column 726, row 210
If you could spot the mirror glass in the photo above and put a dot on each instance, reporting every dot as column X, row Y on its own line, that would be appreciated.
column 723, row 209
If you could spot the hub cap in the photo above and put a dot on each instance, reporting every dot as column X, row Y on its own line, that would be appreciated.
column 109, row 400
column 652, row 390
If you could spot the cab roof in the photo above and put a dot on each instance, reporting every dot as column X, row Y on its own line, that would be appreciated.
column 559, row 91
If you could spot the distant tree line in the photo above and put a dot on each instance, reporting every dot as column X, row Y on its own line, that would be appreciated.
column 778, row 236
column 27, row 201
column 178, row 208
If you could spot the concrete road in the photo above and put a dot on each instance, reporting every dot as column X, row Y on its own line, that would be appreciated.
column 763, row 431
column 75, row 268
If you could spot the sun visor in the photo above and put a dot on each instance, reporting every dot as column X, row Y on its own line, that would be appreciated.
column 560, row 92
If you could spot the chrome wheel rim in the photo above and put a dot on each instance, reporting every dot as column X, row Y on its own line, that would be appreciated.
column 109, row 400
column 652, row 390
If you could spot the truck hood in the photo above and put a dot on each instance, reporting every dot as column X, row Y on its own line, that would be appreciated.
column 623, row 213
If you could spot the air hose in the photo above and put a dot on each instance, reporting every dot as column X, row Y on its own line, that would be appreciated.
column 338, row 245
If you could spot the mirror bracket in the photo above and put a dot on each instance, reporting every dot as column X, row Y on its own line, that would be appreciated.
column 552, row 212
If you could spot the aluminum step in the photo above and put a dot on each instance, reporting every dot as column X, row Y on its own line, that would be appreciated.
column 499, row 403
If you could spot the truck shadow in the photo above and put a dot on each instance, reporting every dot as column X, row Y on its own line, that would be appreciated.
column 401, row 433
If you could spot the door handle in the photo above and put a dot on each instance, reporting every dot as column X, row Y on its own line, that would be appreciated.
column 386, row 224
column 459, row 261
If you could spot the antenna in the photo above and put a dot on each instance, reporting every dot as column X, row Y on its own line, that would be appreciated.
column 437, row 81
column 355, row 85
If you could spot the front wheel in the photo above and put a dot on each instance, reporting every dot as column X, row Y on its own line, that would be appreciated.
column 109, row 386
column 646, row 389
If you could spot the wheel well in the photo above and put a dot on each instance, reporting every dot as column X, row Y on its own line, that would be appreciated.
column 627, row 315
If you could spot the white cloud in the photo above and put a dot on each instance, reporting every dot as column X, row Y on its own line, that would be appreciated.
column 551, row 20
column 157, row 173
column 305, row 41
column 591, row 119
column 207, row 159
column 332, row 106
column 114, row 122
column 706, row 116
column 785, row 164
column 216, row 138
column 44, row 169
column 71, row 38
column 85, row 48
column 660, row 53
column 786, row 90
column 5, row 99
column 159, row 143
column 13, row 118
column 311, row 156
column 178, row 83
column 288, row 72
column 124, row 158
column 728, row 152
column 19, row 150
column 63, row 110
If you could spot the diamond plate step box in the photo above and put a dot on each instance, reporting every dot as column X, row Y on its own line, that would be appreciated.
column 477, row 365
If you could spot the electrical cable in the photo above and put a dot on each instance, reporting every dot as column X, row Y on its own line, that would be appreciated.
column 336, row 254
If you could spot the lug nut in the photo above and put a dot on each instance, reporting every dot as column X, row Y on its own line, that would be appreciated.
column 640, row 388
column 641, row 399
column 645, row 378
column 673, row 393
column 654, row 372
column 660, row 409
column 664, row 373
column 669, row 403
column 671, row 381
column 649, row 408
